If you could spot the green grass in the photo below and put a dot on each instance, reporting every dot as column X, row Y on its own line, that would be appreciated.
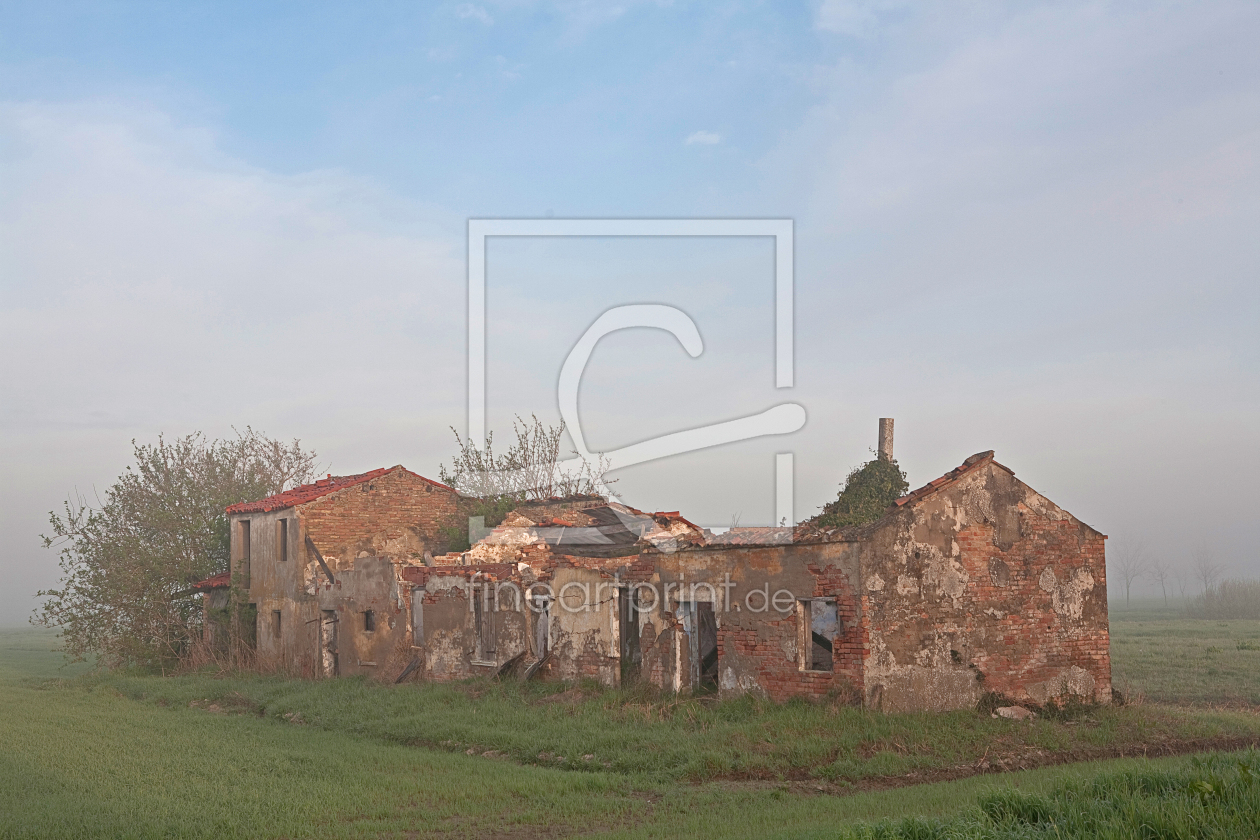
column 1160, row 655
column 669, row 739
column 140, row 756
column 79, row 760
column 1217, row 798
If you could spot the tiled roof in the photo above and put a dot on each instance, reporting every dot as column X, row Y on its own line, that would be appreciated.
column 311, row 492
column 950, row 477
column 220, row 581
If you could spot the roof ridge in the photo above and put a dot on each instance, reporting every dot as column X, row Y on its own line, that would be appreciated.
column 968, row 465
column 304, row 493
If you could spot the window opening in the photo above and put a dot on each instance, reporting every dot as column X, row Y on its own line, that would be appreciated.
column 820, row 624
column 542, row 625
column 244, row 535
column 282, row 540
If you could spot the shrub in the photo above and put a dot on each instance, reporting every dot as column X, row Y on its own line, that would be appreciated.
column 867, row 493
column 1228, row 599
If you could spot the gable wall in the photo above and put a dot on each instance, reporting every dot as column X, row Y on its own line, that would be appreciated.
column 398, row 514
column 984, row 586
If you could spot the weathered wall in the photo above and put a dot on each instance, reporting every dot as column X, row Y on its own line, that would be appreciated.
column 585, row 634
column 362, row 531
column 754, row 592
column 274, row 585
column 984, row 585
column 370, row 585
column 445, row 596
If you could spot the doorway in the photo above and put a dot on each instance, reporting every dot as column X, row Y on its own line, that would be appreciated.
column 700, row 626
column 628, row 622
column 328, row 642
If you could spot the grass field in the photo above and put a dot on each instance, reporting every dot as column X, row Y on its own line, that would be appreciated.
column 142, row 756
column 1159, row 655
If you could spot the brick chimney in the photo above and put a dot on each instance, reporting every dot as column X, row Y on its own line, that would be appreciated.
column 886, row 438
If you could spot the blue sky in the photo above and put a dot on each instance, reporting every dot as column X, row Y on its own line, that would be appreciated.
column 504, row 109
column 1028, row 228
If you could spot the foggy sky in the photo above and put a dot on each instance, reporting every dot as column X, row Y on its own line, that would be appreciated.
column 1033, row 232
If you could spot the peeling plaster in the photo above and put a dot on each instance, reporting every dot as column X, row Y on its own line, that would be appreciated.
column 1068, row 598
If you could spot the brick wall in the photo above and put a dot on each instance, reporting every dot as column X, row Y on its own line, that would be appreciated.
column 984, row 585
column 399, row 514
column 1033, row 643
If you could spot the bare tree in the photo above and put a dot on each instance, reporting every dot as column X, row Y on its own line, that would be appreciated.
column 1206, row 570
column 273, row 463
column 1161, row 572
column 1131, row 564
column 1179, row 575
column 531, row 469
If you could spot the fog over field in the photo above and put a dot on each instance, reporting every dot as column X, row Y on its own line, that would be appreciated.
column 1027, row 229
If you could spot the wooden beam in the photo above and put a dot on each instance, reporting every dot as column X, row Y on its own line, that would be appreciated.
column 310, row 544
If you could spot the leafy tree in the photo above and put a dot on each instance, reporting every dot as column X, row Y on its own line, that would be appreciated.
column 127, row 564
column 867, row 493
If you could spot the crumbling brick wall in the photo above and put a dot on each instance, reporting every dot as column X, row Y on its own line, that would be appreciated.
column 448, row 648
column 982, row 585
column 759, row 626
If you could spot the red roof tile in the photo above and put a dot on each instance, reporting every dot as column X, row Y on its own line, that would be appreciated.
column 220, row 581
column 311, row 492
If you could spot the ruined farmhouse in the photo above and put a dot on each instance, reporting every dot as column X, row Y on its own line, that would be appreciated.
column 972, row 583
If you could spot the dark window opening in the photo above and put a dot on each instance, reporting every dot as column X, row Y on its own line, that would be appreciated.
column 249, row 625
column 244, row 548
column 821, row 623
column 628, row 606
column 275, row 623
column 369, row 621
column 282, row 539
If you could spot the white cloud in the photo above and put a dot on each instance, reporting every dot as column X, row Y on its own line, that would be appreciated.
column 703, row 138
column 468, row 11
column 153, row 284
column 855, row 18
